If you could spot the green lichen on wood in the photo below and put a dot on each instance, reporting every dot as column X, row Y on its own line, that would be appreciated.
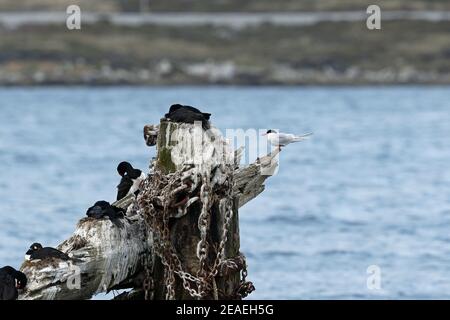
column 165, row 163
column 163, row 126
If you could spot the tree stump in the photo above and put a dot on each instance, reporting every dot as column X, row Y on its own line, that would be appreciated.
column 203, row 217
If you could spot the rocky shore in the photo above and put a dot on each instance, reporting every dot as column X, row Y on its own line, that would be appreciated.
column 207, row 73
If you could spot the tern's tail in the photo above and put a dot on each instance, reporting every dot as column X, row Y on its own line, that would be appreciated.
column 302, row 137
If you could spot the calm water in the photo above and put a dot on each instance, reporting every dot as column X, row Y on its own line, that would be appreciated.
column 372, row 187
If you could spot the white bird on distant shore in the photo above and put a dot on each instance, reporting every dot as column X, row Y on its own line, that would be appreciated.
column 283, row 139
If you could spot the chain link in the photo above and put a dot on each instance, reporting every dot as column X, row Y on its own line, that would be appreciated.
column 226, row 209
column 148, row 284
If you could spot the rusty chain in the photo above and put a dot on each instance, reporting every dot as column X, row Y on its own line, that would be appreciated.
column 245, row 287
column 159, row 222
column 148, row 284
column 155, row 202
column 203, row 226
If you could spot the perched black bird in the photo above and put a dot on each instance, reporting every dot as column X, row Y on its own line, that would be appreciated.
column 104, row 209
column 188, row 114
column 131, row 180
column 36, row 251
column 123, row 187
column 178, row 106
column 11, row 280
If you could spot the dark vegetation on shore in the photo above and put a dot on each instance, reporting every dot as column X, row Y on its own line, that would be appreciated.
column 326, row 53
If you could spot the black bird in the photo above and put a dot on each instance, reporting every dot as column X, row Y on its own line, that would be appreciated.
column 103, row 208
column 36, row 251
column 178, row 106
column 11, row 280
column 188, row 114
column 123, row 187
column 131, row 180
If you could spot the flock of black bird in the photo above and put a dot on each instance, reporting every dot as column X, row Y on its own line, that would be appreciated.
column 12, row 281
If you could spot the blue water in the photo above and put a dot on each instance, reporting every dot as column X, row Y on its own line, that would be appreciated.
column 372, row 187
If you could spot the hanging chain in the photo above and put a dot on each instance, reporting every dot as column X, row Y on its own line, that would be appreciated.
column 154, row 203
column 159, row 222
column 204, row 221
column 245, row 287
column 226, row 209
column 148, row 284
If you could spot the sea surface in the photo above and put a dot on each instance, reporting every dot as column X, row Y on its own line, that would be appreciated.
column 370, row 189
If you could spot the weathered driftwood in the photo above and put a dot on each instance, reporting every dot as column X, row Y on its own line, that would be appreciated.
column 104, row 253
column 249, row 181
column 110, row 255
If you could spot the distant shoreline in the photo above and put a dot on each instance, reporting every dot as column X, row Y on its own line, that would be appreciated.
column 91, row 76
column 226, row 19
column 326, row 53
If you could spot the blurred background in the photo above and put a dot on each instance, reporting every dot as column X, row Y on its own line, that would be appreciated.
column 224, row 42
column 371, row 187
